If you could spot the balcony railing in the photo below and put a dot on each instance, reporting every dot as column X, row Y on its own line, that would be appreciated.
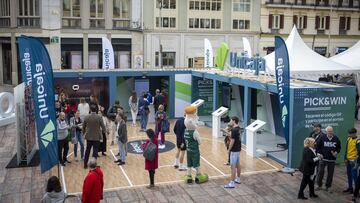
column 29, row 21
column 4, row 21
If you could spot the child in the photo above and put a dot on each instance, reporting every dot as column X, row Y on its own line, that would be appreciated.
column 151, row 166
column 161, row 125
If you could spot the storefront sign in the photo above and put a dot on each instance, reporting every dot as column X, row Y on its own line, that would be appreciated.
column 242, row 62
column 328, row 106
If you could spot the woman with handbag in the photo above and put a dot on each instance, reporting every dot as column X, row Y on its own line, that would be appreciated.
column 161, row 125
column 77, row 136
column 151, row 165
column 307, row 167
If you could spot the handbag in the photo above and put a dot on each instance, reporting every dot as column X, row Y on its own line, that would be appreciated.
column 166, row 126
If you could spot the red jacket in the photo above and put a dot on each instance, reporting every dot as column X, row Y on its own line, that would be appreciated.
column 151, row 165
column 93, row 186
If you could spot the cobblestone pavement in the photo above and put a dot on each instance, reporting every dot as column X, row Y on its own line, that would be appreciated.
column 28, row 185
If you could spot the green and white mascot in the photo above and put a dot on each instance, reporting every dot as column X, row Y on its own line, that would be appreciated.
column 192, row 140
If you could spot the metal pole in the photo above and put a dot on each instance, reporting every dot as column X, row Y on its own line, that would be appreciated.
column 160, row 47
column 329, row 33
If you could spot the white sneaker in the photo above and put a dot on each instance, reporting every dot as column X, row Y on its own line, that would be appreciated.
column 237, row 180
column 176, row 163
column 161, row 146
column 182, row 168
column 230, row 185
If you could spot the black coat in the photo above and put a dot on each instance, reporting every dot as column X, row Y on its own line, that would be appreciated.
column 307, row 166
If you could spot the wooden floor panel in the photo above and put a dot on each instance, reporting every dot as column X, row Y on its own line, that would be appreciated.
column 213, row 157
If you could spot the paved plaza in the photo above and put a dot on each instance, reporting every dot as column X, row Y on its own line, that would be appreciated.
column 28, row 185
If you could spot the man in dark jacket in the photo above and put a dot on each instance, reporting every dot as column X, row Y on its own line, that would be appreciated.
column 317, row 132
column 92, row 126
column 158, row 100
column 328, row 146
column 179, row 130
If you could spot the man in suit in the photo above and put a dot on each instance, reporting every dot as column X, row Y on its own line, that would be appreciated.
column 92, row 127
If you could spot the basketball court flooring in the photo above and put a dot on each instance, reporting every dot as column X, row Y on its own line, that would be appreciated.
column 132, row 174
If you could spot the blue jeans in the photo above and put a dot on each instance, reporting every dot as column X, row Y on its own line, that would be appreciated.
column 80, row 139
column 122, row 151
column 351, row 173
column 144, row 120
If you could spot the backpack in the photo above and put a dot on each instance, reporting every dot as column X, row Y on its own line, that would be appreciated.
column 150, row 151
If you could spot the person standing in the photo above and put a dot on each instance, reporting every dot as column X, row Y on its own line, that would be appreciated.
column 351, row 153
column 144, row 112
column 54, row 193
column 165, row 101
column 103, row 143
column 328, row 146
column 134, row 107
column 93, row 186
column 152, row 165
column 122, row 138
column 93, row 129
column 76, row 126
column 161, row 123
column 84, row 108
column 227, row 134
column 307, row 167
column 317, row 133
column 158, row 100
column 63, row 143
column 179, row 130
column 234, row 149
column 111, row 114
column 93, row 101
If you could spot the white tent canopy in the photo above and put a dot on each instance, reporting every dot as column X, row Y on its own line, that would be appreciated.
column 304, row 62
column 349, row 57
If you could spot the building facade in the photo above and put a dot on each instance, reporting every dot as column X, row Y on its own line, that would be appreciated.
column 71, row 31
column 177, row 28
column 327, row 26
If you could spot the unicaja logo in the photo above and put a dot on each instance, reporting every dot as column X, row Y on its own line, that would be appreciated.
column 281, row 84
column 107, row 58
column 207, row 62
column 47, row 135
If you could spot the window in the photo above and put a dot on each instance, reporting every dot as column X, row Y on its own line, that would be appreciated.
column 71, row 60
column 5, row 13
column 97, row 14
column 241, row 24
column 168, row 59
column 122, row 59
column 204, row 23
column 29, row 13
column 6, row 64
column 340, row 49
column 121, row 14
column 71, row 13
column 321, row 50
column 345, row 23
column 167, row 22
column 205, row 5
column 276, row 22
column 241, row 5
column 322, row 22
column 300, row 21
column 166, row 4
